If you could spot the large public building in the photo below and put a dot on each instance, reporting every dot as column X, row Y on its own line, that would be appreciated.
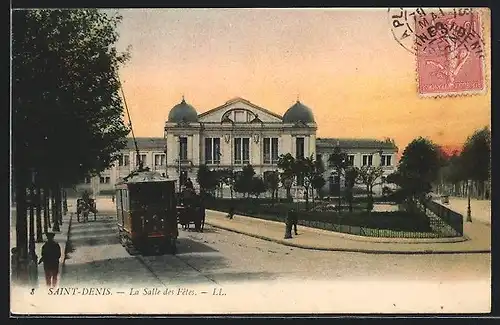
column 235, row 134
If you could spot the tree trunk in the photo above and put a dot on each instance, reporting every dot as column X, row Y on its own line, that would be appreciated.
column 350, row 198
column 65, row 201
column 38, row 200
column 61, row 206
column 31, row 243
column 56, row 207
column 307, row 198
column 46, row 220
column 21, row 214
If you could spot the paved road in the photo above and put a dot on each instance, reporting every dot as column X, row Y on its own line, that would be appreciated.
column 218, row 256
column 262, row 276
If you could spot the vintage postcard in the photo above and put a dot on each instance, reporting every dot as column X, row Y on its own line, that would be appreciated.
column 250, row 161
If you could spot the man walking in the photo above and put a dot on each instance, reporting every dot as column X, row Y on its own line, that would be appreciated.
column 51, row 253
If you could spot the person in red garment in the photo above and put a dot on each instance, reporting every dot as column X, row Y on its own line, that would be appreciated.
column 51, row 253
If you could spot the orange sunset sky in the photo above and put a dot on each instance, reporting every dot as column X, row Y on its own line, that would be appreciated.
column 344, row 64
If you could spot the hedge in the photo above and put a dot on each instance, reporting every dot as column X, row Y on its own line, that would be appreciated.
column 395, row 220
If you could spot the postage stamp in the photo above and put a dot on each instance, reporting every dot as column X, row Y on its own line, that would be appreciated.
column 448, row 47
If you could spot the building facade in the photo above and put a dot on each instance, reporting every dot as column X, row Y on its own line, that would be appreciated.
column 360, row 152
column 235, row 134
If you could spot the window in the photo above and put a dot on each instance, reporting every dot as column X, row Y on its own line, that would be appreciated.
column 212, row 150
column 319, row 157
column 126, row 160
column 350, row 160
column 183, row 148
column 367, row 160
column 87, row 180
column 160, row 159
column 104, row 180
column 330, row 160
column 299, row 148
column 385, row 160
column 242, row 150
column 270, row 150
column 239, row 116
column 123, row 160
column 143, row 159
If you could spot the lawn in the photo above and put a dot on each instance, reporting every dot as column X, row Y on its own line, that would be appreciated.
column 370, row 222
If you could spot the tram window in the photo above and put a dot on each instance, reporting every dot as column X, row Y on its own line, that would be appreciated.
column 152, row 194
column 122, row 202
column 125, row 204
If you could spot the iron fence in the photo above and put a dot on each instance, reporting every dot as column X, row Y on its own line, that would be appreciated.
column 444, row 220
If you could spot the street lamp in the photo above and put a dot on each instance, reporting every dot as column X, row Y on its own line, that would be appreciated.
column 179, row 163
column 219, row 154
column 469, row 217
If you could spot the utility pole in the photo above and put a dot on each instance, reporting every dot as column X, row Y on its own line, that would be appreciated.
column 469, row 216
column 179, row 164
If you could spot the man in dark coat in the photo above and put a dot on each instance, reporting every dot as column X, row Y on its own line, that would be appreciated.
column 189, row 184
column 51, row 253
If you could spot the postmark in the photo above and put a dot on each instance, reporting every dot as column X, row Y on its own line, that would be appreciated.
column 448, row 47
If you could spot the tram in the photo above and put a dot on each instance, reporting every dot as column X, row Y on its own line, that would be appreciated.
column 146, row 211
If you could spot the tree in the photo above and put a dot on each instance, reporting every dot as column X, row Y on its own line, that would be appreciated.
column 338, row 159
column 257, row 186
column 417, row 170
column 207, row 179
column 64, row 83
column 370, row 176
column 287, row 164
column 304, row 170
column 243, row 182
column 318, row 181
column 272, row 183
column 476, row 158
column 351, row 175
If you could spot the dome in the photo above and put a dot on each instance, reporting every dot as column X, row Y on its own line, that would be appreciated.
column 298, row 112
column 183, row 112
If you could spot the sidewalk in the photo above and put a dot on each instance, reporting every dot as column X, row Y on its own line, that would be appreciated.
column 477, row 238
column 480, row 209
column 61, row 237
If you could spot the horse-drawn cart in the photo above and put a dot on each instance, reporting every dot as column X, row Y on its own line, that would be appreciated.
column 85, row 206
column 191, row 210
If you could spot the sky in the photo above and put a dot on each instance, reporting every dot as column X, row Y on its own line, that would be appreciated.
column 342, row 63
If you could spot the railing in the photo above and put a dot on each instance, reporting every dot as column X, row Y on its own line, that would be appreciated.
column 368, row 232
column 344, row 228
column 443, row 219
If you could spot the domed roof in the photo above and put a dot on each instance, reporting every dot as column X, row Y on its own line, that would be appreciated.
column 298, row 112
column 183, row 112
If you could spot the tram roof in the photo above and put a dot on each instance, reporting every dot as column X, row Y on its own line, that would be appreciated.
column 145, row 177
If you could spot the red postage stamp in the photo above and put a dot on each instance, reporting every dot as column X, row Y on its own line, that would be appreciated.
column 450, row 54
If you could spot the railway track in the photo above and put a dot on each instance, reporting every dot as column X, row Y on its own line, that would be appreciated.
column 145, row 260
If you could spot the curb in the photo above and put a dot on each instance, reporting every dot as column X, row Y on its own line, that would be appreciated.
column 353, row 250
column 61, row 266
column 368, row 239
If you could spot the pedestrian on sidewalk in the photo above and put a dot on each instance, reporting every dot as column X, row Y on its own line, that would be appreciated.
column 294, row 220
column 230, row 215
column 51, row 253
